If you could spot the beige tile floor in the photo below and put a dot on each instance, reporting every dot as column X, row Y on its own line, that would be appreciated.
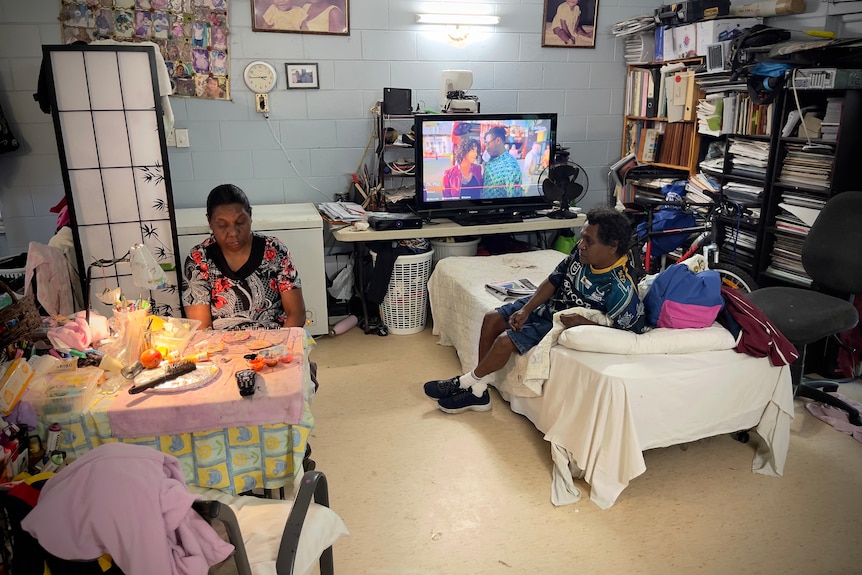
column 427, row 493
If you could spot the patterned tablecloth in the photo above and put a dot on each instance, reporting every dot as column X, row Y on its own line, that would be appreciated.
column 225, row 448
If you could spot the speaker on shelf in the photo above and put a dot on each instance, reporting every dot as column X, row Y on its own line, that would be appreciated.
column 397, row 101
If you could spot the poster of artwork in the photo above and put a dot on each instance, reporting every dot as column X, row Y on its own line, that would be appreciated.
column 191, row 34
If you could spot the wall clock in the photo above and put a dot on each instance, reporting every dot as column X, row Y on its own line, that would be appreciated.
column 260, row 77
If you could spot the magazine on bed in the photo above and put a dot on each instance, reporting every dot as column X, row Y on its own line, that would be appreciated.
column 512, row 289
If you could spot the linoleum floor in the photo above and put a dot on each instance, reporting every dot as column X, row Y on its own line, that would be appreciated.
column 423, row 492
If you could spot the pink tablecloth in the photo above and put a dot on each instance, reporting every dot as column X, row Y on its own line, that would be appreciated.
column 218, row 405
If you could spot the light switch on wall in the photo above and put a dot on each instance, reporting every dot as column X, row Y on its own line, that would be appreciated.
column 182, row 136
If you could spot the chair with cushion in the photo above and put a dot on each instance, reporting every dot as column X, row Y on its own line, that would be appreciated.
column 831, row 257
column 276, row 536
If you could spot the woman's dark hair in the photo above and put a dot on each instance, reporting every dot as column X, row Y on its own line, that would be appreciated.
column 464, row 147
column 227, row 194
column 614, row 228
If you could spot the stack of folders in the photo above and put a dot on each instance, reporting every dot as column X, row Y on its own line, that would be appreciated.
column 806, row 167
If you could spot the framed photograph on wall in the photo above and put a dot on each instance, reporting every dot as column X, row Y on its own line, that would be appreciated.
column 301, row 76
column 570, row 23
column 301, row 17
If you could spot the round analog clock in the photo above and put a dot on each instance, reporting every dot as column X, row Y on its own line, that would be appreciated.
column 260, row 77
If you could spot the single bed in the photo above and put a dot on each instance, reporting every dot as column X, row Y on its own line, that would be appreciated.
column 600, row 411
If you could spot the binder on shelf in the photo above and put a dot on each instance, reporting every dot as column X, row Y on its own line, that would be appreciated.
column 690, row 104
column 676, row 94
column 653, row 91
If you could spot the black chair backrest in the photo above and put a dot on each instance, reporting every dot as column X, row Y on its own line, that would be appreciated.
column 832, row 252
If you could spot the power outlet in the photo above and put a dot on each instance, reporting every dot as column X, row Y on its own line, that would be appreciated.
column 171, row 139
column 309, row 317
column 261, row 103
column 182, row 138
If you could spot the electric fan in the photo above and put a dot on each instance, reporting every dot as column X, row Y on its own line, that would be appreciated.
column 564, row 183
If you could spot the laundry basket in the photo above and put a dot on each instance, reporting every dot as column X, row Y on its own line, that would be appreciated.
column 404, row 309
column 465, row 246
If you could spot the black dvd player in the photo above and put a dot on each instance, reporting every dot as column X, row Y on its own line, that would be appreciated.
column 389, row 221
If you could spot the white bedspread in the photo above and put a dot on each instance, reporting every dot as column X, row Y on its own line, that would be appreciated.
column 601, row 411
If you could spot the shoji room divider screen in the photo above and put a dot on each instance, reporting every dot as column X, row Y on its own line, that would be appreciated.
column 108, row 121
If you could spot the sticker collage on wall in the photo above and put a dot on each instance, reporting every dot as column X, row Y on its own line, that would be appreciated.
column 192, row 36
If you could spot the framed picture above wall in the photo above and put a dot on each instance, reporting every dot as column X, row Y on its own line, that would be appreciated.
column 302, row 76
column 301, row 16
column 569, row 23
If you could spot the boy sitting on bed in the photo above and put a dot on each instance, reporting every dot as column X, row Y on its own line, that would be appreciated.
column 594, row 276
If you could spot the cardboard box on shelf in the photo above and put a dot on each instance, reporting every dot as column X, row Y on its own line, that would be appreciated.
column 684, row 41
column 713, row 31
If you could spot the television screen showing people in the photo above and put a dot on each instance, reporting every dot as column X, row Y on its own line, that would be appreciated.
column 484, row 158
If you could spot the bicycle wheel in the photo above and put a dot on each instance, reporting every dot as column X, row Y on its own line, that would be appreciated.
column 734, row 277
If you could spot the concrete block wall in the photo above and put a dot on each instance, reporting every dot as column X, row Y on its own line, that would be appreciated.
column 324, row 132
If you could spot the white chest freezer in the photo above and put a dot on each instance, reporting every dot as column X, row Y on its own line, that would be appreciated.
column 299, row 226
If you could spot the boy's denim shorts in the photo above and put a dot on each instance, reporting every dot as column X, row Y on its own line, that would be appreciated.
column 535, row 328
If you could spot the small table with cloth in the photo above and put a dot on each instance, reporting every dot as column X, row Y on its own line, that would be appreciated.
column 222, row 440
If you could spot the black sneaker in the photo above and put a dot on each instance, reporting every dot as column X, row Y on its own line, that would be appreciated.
column 440, row 388
column 465, row 401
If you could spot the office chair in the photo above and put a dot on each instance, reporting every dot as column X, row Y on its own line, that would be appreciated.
column 830, row 256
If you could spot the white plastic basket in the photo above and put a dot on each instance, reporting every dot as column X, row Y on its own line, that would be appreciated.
column 457, row 248
column 404, row 309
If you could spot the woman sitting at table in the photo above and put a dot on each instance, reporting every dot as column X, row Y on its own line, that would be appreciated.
column 239, row 279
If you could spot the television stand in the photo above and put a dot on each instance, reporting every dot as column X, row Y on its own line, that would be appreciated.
column 487, row 219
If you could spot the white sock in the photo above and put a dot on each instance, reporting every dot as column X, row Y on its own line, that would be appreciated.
column 477, row 385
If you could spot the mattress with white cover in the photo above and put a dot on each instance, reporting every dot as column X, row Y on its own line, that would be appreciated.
column 599, row 410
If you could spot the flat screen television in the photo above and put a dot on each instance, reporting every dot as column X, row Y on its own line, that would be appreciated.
column 461, row 170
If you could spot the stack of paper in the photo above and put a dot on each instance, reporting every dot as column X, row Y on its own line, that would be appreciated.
column 749, row 158
column 342, row 211
column 746, row 194
column 709, row 116
column 639, row 48
column 829, row 126
column 699, row 187
column 807, row 168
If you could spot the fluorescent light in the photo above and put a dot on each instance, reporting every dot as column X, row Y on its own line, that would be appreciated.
column 458, row 19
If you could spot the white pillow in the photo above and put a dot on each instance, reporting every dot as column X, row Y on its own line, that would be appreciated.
column 658, row 340
column 262, row 523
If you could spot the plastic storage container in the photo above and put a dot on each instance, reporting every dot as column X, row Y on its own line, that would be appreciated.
column 58, row 395
column 465, row 246
column 174, row 333
column 405, row 308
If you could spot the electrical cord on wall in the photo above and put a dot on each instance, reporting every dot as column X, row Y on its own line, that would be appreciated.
column 290, row 161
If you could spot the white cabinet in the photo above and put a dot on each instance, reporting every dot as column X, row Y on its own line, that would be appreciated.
column 299, row 226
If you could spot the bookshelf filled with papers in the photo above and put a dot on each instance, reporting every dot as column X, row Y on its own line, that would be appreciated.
column 818, row 136
column 744, row 181
column 660, row 126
